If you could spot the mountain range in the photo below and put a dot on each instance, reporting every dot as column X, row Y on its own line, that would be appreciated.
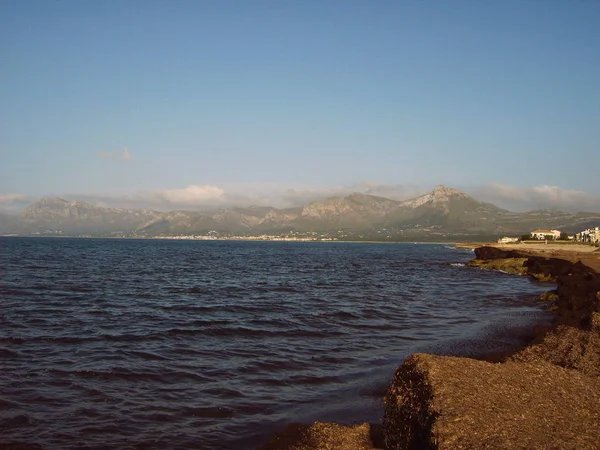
column 443, row 214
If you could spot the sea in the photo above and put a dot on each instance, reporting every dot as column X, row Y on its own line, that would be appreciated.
column 180, row 344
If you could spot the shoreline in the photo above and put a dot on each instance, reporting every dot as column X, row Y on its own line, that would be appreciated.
column 430, row 403
column 546, row 395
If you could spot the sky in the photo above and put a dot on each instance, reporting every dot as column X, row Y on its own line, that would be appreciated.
column 194, row 104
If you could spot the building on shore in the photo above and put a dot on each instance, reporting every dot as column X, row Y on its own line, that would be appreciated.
column 591, row 235
column 545, row 234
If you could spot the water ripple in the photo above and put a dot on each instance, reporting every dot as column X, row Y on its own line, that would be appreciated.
column 170, row 344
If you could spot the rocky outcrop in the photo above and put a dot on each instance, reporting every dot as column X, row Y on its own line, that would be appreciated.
column 578, row 295
column 545, row 396
column 514, row 266
column 546, row 269
column 441, row 402
column 542, row 268
column 488, row 252
column 569, row 347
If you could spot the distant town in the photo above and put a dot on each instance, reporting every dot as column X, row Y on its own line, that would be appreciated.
column 590, row 236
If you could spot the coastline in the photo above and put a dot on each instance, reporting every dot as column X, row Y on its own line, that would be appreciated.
column 543, row 395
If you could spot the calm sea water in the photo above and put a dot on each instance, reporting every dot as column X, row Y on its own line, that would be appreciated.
column 194, row 344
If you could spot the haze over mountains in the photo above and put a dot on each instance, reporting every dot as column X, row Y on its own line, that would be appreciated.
column 442, row 214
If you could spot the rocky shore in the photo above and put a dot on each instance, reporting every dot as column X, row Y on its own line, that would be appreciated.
column 544, row 396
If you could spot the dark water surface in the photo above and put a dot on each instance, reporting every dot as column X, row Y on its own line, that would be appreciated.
column 195, row 344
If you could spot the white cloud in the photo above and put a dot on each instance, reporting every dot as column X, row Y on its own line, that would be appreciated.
column 13, row 198
column 537, row 197
column 193, row 195
column 300, row 195
column 13, row 203
column 207, row 196
column 124, row 155
column 241, row 195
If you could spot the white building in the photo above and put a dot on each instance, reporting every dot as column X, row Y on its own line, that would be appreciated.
column 544, row 234
column 591, row 235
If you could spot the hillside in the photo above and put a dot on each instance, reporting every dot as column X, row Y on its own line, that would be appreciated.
column 442, row 214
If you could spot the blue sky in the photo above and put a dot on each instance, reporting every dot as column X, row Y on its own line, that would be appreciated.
column 202, row 103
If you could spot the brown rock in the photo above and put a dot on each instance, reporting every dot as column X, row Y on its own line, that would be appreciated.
column 547, row 269
column 568, row 346
column 515, row 266
column 488, row 252
column 450, row 403
column 549, row 296
column 578, row 292
column 322, row 436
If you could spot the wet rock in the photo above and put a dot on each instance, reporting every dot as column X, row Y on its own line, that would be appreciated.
column 541, row 268
column 438, row 402
column 549, row 297
column 578, row 283
column 515, row 266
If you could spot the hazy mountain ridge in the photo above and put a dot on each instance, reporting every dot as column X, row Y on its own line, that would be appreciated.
column 79, row 217
column 441, row 212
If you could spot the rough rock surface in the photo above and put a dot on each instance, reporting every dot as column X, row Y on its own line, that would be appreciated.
column 448, row 403
column 489, row 252
column 515, row 266
column 545, row 396
column 322, row 436
column 568, row 346
column 540, row 267
column 550, row 296
column 578, row 295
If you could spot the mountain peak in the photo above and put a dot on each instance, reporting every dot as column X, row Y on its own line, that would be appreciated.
column 357, row 195
column 440, row 188
column 442, row 193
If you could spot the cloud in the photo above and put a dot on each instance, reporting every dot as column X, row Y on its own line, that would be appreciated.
column 193, row 195
column 12, row 203
column 226, row 195
column 537, row 197
column 13, row 198
column 300, row 195
column 198, row 196
column 124, row 155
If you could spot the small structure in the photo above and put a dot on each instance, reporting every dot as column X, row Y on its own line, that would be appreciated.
column 545, row 234
column 508, row 240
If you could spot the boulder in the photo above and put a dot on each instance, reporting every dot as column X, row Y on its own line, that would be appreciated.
column 579, row 295
column 437, row 402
